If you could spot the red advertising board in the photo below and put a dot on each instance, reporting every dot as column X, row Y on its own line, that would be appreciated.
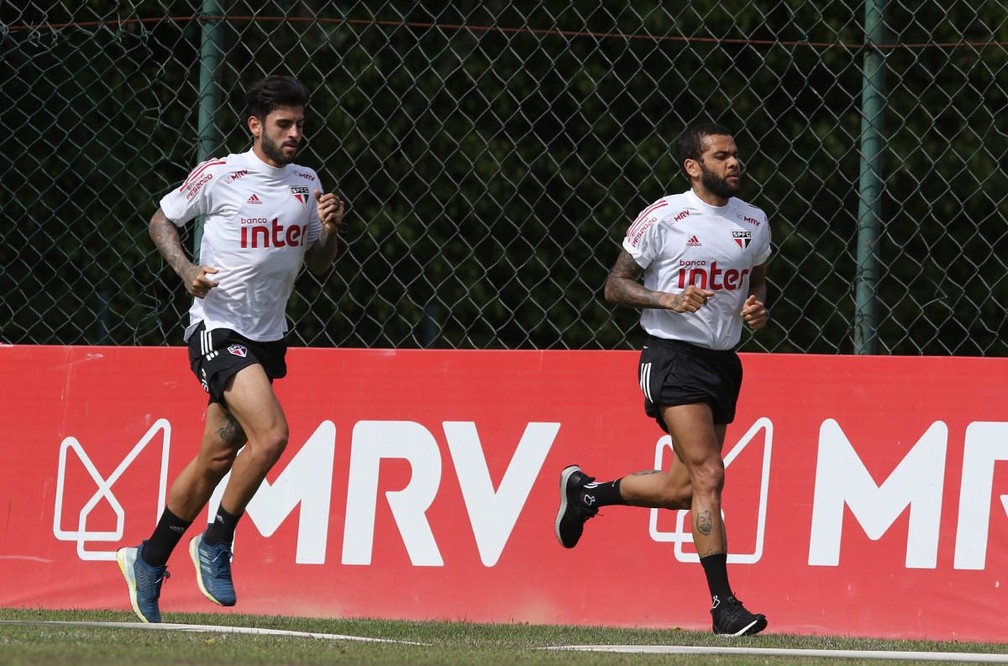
column 865, row 495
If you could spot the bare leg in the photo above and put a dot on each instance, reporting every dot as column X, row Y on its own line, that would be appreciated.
column 191, row 490
column 697, row 443
column 251, row 400
column 253, row 419
column 657, row 489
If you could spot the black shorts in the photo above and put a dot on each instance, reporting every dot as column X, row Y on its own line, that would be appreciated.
column 216, row 356
column 678, row 373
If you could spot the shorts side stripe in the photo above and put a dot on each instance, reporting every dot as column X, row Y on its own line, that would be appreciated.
column 645, row 380
column 206, row 344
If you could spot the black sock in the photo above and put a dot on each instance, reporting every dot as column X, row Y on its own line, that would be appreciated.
column 222, row 529
column 166, row 536
column 716, row 568
column 603, row 494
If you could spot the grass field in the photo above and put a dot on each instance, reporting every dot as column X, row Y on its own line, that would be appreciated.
column 78, row 637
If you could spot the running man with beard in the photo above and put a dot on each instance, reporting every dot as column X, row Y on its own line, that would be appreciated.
column 702, row 255
column 264, row 217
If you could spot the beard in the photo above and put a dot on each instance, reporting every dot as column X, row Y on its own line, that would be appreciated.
column 716, row 185
column 275, row 152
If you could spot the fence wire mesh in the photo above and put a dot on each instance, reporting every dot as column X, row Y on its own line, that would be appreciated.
column 493, row 154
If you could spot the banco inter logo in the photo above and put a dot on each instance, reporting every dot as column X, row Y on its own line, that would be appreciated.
column 74, row 519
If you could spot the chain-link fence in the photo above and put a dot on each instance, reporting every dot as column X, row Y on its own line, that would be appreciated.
column 493, row 154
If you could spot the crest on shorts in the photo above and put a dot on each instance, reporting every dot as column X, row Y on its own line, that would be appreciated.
column 238, row 350
column 301, row 194
column 742, row 238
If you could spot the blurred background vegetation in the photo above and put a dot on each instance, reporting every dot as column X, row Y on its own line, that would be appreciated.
column 493, row 154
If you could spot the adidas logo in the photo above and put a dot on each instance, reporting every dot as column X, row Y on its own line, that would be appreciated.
column 693, row 241
column 254, row 199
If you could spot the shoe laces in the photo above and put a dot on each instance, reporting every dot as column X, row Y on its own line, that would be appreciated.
column 149, row 572
column 221, row 561
column 731, row 607
column 160, row 581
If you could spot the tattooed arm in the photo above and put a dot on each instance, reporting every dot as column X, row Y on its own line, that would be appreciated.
column 165, row 235
column 623, row 287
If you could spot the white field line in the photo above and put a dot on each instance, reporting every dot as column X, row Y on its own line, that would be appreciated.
column 210, row 629
column 961, row 657
column 972, row 657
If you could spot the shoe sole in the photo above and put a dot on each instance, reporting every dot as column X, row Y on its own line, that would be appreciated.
column 127, row 572
column 754, row 627
column 565, row 476
column 194, row 554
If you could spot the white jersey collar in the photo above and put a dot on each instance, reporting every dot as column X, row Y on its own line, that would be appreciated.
column 257, row 164
column 703, row 204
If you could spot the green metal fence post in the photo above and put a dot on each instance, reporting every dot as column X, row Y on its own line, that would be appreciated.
column 871, row 182
column 211, row 55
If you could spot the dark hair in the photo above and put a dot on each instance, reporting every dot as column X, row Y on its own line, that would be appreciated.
column 274, row 91
column 689, row 146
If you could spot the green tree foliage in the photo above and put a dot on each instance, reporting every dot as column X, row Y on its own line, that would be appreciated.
column 493, row 154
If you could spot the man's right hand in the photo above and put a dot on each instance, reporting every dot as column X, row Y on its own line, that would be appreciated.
column 197, row 280
column 691, row 299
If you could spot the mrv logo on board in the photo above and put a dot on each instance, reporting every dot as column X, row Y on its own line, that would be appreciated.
column 304, row 487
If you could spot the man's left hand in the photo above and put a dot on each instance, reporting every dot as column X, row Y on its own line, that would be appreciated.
column 330, row 210
column 754, row 313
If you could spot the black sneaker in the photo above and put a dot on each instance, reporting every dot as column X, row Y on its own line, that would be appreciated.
column 732, row 619
column 573, row 512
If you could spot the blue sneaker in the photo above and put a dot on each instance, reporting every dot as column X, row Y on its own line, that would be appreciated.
column 213, row 570
column 144, row 582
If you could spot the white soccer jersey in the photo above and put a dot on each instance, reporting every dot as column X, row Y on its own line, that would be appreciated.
column 259, row 222
column 680, row 240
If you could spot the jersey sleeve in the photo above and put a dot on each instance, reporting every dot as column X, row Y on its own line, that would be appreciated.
column 192, row 197
column 314, row 221
column 763, row 251
column 643, row 238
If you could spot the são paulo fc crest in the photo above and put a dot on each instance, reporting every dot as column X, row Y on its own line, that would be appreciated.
column 301, row 194
column 238, row 350
column 742, row 238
